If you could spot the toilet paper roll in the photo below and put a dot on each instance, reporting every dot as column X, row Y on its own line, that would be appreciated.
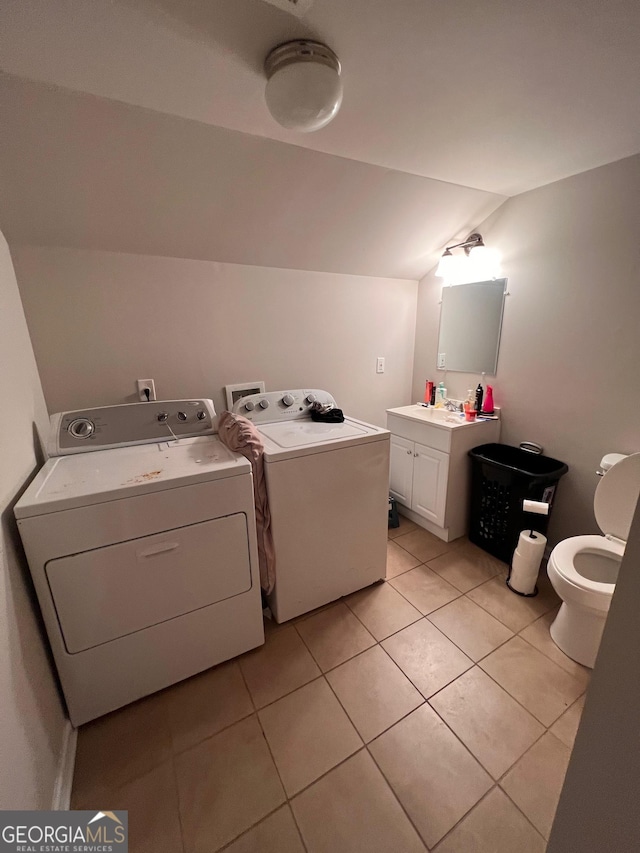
column 524, row 572
column 539, row 507
column 531, row 543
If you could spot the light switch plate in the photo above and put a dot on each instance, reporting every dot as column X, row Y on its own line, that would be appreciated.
column 441, row 360
column 380, row 365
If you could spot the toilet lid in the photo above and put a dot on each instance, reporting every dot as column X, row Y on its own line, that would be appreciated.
column 616, row 497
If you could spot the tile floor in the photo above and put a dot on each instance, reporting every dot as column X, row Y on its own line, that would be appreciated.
column 430, row 712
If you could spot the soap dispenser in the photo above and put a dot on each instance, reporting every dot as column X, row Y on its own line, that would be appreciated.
column 479, row 396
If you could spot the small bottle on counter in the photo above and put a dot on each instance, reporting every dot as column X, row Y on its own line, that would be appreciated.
column 479, row 396
column 487, row 407
column 428, row 391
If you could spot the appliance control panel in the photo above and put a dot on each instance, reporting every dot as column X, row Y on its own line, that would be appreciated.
column 107, row 427
column 273, row 406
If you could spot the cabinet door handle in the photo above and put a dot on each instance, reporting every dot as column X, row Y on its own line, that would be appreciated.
column 161, row 548
column 409, row 452
column 415, row 454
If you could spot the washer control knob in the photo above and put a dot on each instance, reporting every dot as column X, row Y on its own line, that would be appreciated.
column 311, row 398
column 264, row 404
column 249, row 405
column 182, row 416
column 288, row 400
column 201, row 415
column 163, row 417
column 82, row 428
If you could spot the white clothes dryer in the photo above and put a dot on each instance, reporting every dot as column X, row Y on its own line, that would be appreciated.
column 328, row 489
column 143, row 555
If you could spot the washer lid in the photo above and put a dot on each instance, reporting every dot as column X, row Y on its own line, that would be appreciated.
column 301, row 433
column 616, row 497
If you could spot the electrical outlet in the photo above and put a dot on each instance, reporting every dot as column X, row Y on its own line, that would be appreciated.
column 380, row 365
column 441, row 360
column 145, row 385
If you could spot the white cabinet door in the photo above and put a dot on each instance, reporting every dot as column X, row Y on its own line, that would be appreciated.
column 430, row 472
column 401, row 469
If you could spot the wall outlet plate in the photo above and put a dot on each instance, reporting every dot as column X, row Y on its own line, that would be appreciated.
column 144, row 386
column 441, row 360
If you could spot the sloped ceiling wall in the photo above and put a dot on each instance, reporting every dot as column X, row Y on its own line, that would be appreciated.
column 91, row 173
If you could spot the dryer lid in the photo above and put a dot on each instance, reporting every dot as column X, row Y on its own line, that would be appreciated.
column 616, row 497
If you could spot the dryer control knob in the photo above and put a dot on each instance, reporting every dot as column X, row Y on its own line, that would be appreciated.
column 288, row 400
column 264, row 404
column 182, row 416
column 311, row 398
column 163, row 416
column 201, row 415
column 82, row 428
column 249, row 405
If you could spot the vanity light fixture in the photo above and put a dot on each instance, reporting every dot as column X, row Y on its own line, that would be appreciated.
column 477, row 264
column 304, row 86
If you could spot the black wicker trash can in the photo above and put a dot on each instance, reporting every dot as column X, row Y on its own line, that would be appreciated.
column 502, row 477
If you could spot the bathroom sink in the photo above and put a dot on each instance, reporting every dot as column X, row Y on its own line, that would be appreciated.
column 441, row 418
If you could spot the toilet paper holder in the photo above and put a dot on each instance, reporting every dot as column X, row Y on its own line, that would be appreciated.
column 525, row 563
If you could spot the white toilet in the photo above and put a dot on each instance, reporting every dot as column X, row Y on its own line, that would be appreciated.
column 584, row 569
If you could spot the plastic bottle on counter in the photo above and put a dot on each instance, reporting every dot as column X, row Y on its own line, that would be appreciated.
column 487, row 406
column 479, row 396
column 441, row 395
column 428, row 390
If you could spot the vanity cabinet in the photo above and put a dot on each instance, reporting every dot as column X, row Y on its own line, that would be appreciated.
column 430, row 469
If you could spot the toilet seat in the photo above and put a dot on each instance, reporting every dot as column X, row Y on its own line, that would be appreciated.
column 584, row 591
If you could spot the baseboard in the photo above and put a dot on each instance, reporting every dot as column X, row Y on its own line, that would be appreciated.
column 64, row 780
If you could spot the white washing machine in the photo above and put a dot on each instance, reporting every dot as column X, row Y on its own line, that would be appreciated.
column 328, row 487
column 142, row 550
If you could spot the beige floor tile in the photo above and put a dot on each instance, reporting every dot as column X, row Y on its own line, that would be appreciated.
column 374, row 692
column 566, row 727
column 399, row 560
column 283, row 664
column 334, row 635
column 277, row 833
column 226, row 784
column 514, row 611
column 435, row 778
column 470, row 627
column 406, row 526
column 487, row 720
column 353, row 810
column 466, row 566
column 495, row 825
column 118, row 748
column 205, row 704
column 535, row 783
column 382, row 610
column 426, row 657
column 152, row 803
column 424, row 589
column 539, row 684
column 309, row 733
column 538, row 635
column 422, row 544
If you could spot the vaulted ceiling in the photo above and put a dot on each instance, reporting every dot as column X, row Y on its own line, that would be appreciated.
column 449, row 106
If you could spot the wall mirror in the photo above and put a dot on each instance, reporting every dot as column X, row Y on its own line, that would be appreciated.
column 470, row 324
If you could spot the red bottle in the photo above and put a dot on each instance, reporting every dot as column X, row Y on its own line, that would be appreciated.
column 487, row 406
column 428, row 391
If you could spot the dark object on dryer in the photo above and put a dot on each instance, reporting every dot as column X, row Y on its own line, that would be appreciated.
column 503, row 477
column 394, row 521
column 326, row 414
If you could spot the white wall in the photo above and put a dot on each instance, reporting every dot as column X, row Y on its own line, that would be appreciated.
column 100, row 320
column 569, row 365
column 31, row 717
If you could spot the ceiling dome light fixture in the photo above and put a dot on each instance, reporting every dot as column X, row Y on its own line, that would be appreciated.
column 304, row 87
